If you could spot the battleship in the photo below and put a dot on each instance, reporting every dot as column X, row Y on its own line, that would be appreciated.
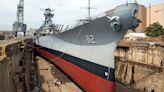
column 86, row 52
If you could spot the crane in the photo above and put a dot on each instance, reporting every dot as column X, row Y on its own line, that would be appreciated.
column 19, row 25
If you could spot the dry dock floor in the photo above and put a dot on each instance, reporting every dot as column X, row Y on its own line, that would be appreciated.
column 49, row 74
column 123, row 88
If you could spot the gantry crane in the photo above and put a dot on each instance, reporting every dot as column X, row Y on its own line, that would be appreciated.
column 19, row 25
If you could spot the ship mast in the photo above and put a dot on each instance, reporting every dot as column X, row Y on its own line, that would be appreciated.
column 89, row 9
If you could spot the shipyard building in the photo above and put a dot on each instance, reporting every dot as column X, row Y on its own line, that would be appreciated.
column 155, row 13
column 150, row 15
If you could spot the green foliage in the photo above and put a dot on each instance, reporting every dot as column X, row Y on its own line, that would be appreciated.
column 154, row 30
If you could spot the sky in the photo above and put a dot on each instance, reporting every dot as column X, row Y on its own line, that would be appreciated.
column 66, row 11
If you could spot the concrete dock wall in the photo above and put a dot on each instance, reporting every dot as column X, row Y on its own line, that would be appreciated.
column 141, row 66
column 15, row 64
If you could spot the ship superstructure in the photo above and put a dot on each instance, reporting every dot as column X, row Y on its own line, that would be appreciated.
column 47, row 27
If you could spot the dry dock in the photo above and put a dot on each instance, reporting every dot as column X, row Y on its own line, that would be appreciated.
column 139, row 68
column 18, row 72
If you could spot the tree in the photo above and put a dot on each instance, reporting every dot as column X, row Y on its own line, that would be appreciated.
column 154, row 30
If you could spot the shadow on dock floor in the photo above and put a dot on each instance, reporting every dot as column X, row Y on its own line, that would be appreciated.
column 122, row 88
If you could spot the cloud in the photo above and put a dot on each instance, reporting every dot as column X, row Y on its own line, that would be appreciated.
column 66, row 11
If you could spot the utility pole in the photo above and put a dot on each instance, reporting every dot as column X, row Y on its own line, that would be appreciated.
column 19, row 25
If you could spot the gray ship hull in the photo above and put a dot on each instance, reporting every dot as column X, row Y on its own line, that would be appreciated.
column 91, row 45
